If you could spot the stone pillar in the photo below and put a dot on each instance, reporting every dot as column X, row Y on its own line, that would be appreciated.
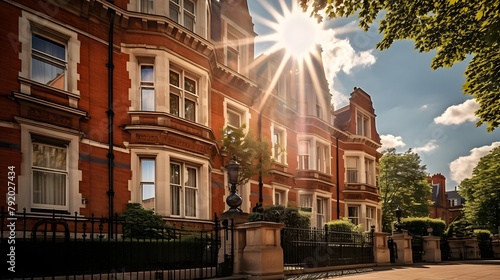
column 403, row 243
column 225, row 263
column 495, row 243
column 262, row 257
column 381, row 251
column 464, row 248
column 432, row 249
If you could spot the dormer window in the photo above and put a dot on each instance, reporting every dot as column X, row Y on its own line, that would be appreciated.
column 362, row 125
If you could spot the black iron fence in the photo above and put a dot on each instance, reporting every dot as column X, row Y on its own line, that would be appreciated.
column 35, row 245
column 307, row 248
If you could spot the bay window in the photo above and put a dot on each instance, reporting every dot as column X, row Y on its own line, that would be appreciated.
column 353, row 214
column 352, row 170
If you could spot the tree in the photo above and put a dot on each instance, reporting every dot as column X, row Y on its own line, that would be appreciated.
column 452, row 28
column 482, row 192
column 253, row 155
column 403, row 182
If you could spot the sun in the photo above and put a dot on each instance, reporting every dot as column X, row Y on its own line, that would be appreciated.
column 298, row 34
column 293, row 30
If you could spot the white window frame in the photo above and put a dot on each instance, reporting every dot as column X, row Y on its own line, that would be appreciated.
column 143, row 183
column 233, row 107
column 279, row 143
column 371, row 213
column 179, row 208
column 31, row 24
column 45, row 170
column 280, row 195
column 304, row 156
column 179, row 6
column 48, row 59
column 69, row 136
column 362, row 124
column 352, row 172
column 323, row 157
column 353, row 219
column 321, row 211
column 184, row 95
column 147, row 85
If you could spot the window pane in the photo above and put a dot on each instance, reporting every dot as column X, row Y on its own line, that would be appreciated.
column 191, row 180
column 190, row 85
column 233, row 119
column 147, row 99
column 174, row 104
column 175, row 196
column 190, row 110
column 189, row 6
column 147, row 6
column 174, row 78
column 190, row 202
column 49, row 156
column 175, row 174
column 47, row 73
column 189, row 22
column 49, row 188
column 147, row 73
column 49, row 47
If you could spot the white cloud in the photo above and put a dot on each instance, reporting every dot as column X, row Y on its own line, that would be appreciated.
column 425, row 106
column 463, row 166
column 390, row 141
column 339, row 55
column 458, row 114
column 428, row 147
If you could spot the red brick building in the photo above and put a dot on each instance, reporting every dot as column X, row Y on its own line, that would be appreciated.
column 439, row 207
column 109, row 102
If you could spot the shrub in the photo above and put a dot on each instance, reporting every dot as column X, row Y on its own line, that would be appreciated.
column 482, row 234
column 292, row 217
column 459, row 228
column 142, row 223
column 343, row 225
column 419, row 225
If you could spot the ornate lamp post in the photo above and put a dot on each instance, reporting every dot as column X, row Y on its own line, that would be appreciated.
column 233, row 200
column 399, row 225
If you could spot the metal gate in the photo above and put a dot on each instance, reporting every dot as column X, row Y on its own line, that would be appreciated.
column 417, row 247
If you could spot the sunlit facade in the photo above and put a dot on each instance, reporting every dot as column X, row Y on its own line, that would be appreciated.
column 176, row 73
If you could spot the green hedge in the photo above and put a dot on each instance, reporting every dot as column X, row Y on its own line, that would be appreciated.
column 419, row 225
column 343, row 225
column 292, row 217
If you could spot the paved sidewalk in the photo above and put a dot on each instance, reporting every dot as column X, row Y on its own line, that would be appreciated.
column 457, row 270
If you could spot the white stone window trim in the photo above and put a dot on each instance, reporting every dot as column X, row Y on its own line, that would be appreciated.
column 54, row 31
column 283, row 158
column 25, row 190
column 239, row 108
column 361, row 165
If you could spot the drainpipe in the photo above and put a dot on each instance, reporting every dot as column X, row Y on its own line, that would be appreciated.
column 110, row 113
column 338, row 180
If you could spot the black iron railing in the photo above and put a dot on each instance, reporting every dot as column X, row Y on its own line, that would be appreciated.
column 37, row 245
column 304, row 248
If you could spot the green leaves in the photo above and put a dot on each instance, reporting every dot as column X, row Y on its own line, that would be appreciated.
column 455, row 29
column 482, row 192
column 403, row 182
column 253, row 155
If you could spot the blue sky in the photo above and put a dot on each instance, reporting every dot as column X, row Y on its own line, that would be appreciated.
column 416, row 107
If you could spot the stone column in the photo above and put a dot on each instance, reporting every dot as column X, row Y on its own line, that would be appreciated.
column 381, row 251
column 403, row 244
column 262, row 257
column 432, row 249
column 226, row 264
